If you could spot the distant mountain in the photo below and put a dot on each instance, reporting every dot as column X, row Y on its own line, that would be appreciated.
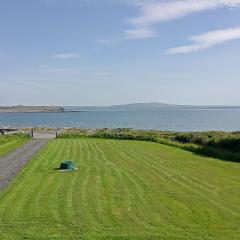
column 21, row 108
column 143, row 107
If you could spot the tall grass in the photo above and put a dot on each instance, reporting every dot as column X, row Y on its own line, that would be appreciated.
column 9, row 138
column 10, row 142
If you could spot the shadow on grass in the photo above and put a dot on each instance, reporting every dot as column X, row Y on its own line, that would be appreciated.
column 206, row 151
column 64, row 170
column 57, row 169
column 220, row 154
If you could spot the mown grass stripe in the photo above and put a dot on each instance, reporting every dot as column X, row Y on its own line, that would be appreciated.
column 121, row 190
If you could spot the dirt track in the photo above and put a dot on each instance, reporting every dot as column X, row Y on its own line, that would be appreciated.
column 12, row 163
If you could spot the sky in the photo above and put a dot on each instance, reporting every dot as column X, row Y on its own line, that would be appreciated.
column 92, row 52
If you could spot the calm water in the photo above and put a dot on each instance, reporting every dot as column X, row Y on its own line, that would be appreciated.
column 179, row 120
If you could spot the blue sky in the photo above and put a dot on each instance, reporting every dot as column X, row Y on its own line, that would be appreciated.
column 92, row 52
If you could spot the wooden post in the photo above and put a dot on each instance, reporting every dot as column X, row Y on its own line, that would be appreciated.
column 56, row 134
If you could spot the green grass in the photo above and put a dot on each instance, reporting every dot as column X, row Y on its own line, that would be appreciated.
column 122, row 190
column 10, row 142
column 223, row 145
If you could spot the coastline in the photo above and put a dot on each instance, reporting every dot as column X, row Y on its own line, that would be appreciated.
column 31, row 109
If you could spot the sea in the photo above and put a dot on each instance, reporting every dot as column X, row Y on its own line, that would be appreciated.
column 166, row 119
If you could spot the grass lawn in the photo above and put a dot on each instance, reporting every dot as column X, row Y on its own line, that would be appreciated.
column 122, row 190
column 10, row 145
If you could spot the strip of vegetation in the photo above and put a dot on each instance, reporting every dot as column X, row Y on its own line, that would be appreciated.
column 10, row 142
column 31, row 109
column 223, row 145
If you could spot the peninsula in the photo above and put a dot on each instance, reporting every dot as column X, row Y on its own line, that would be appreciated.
column 26, row 109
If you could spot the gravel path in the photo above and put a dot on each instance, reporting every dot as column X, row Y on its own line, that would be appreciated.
column 12, row 163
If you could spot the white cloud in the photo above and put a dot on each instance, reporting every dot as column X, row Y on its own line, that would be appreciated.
column 162, row 11
column 139, row 33
column 155, row 12
column 65, row 56
column 207, row 40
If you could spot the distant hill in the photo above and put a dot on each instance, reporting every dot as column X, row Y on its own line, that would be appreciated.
column 143, row 107
column 123, row 107
column 21, row 108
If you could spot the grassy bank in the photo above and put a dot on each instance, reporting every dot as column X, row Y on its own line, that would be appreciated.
column 11, row 142
column 122, row 190
column 223, row 145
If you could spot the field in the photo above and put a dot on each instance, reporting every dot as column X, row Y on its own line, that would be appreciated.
column 9, row 143
column 122, row 190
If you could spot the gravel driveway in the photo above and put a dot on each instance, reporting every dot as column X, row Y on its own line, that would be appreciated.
column 12, row 163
